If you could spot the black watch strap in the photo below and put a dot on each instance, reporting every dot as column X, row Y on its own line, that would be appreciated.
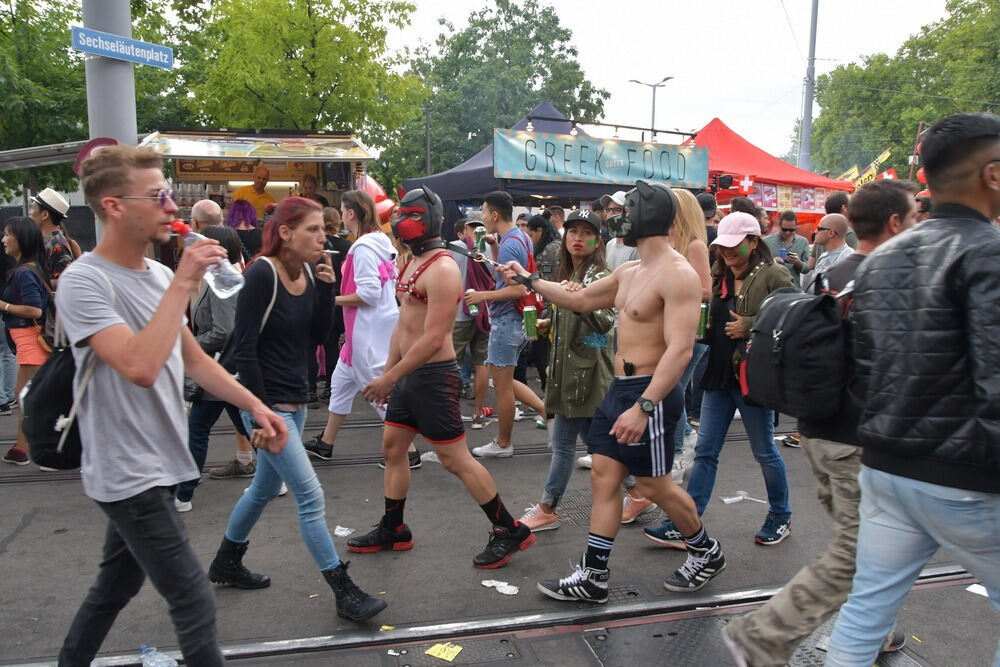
column 646, row 405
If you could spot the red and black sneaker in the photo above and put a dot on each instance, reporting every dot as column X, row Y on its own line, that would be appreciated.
column 382, row 538
column 502, row 545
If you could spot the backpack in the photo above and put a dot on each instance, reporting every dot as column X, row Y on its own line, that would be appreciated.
column 49, row 404
column 530, row 298
column 796, row 359
column 478, row 278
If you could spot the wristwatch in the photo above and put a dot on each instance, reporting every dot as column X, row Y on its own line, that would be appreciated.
column 526, row 280
column 646, row 405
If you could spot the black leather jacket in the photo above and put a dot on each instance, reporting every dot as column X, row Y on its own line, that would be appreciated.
column 927, row 344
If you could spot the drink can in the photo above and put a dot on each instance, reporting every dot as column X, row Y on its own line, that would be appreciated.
column 480, row 233
column 783, row 252
column 473, row 308
column 530, row 323
column 702, row 322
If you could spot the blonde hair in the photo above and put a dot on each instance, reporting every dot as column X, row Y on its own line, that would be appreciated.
column 111, row 168
column 690, row 223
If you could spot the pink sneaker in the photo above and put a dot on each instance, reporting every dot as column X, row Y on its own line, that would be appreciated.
column 536, row 519
column 633, row 507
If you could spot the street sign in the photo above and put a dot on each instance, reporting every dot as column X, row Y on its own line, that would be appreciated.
column 122, row 48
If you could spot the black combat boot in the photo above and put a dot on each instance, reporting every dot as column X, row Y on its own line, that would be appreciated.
column 352, row 602
column 227, row 568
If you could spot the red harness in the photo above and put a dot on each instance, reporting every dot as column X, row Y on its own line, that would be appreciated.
column 410, row 286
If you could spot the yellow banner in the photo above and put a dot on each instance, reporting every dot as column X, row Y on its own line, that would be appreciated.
column 872, row 169
column 850, row 174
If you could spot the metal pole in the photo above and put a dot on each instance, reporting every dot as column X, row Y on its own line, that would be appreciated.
column 110, row 82
column 805, row 127
column 652, row 120
column 427, row 140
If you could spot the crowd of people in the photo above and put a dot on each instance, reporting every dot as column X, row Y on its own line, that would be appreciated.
column 412, row 323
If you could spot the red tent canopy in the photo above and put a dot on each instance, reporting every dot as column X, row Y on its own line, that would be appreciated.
column 729, row 153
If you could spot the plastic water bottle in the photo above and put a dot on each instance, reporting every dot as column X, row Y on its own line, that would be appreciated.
column 152, row 658
column 224, row 278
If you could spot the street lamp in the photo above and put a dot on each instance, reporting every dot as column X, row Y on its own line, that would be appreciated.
column 654, row 86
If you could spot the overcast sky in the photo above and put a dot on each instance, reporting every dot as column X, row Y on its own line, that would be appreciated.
column 743, row 61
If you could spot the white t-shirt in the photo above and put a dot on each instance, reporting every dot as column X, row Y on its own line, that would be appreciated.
column 133, row 438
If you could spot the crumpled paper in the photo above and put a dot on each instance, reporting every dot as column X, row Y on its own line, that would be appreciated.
column 501, row 586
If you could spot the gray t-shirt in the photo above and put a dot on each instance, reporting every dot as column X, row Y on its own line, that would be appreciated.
column 617, row 253
column 133, row 438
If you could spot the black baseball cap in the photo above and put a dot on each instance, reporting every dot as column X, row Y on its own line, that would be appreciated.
column 707, row 202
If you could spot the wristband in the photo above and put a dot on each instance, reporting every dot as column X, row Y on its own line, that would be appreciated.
column 526, row 280
column 6, row 308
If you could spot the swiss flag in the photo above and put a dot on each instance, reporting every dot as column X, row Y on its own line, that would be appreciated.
column 746, row 185
column 888, row 173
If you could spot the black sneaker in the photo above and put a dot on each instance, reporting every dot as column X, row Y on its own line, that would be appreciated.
column 382, row 538
column 414, row 457
column 502, row 546
column 699, row 568
column 6, row 408
column 316, row 447
column 585, row 584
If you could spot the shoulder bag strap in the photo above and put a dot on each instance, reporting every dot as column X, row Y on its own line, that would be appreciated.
column 274, row 292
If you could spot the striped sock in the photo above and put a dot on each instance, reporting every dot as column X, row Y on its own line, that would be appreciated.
column 598, row 551
column 699, row 540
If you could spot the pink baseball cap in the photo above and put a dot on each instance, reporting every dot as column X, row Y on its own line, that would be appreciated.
column 734, row 228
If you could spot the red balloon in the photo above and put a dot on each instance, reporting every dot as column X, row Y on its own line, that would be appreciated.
column 920, row 175
column 384, row 209
column 371, row 186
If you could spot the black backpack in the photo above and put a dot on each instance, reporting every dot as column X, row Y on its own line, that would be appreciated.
column 796, row 358
column 49, row 406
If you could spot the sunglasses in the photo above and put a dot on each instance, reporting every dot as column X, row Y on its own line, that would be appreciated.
column 162, row 196
column 788, row 229
column 823, row 229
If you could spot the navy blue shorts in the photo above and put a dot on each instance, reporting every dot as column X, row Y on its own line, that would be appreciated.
column 426, row 402
column 653, row 455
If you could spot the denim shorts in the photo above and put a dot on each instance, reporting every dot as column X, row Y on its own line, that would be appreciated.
column 506, row 339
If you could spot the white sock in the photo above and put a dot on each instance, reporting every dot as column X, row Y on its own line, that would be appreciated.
column 245, row 458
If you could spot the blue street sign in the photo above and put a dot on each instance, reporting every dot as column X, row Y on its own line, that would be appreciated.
column 122, row 48
column 544, row 156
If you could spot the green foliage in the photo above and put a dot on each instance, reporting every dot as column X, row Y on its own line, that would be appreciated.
column 304, row 64
column 43, row 98
column 511, row 56
column 949, row 67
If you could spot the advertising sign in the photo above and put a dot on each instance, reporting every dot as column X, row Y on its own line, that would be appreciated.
column 542, row 156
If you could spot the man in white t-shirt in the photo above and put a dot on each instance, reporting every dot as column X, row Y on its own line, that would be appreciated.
column 128, row 311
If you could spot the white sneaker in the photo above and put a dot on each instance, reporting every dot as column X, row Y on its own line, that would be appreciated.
column 283, row 490
column 738, row 415
column 585, row 461
column 493, row 450
column 518, row 414
column 677, row 473
column 182, row 506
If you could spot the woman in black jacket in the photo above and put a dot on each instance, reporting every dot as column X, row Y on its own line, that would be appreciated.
column 281, row 315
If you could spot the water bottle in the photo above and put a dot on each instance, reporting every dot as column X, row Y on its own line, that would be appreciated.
column 224, row 279
column 152, row 658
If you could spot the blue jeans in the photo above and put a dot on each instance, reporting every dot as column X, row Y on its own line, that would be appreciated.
column 146, row 537
column 903, row 522
column 717, row 409
column 682, row 423
column 506, row 340
column 201, row 419
column 293, row 467
column 8, row 368
column 565, row 431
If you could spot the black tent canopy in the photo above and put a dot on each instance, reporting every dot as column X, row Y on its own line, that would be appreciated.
column 473, row 179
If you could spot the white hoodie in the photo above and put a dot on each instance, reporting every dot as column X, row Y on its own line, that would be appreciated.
column 370, row 272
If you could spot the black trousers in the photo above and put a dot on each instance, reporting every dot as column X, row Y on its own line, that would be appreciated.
column 146, row 537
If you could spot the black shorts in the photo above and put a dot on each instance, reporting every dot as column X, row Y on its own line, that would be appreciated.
column 653, row 455
column 426, row 402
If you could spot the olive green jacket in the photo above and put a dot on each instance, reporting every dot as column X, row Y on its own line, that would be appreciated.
column 761, row 281
column 580, row 360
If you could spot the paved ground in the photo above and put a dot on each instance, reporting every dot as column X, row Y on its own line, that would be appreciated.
column 50, row 537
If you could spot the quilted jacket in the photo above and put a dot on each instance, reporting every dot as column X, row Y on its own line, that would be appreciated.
column 927, row 344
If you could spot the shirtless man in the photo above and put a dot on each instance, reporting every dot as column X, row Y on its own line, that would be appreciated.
column 421, row 384
column 657, row 298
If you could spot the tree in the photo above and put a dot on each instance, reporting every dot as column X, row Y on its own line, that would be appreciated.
column 305, row 64
column 44, row 97
column 949, row 67
column 510, row 57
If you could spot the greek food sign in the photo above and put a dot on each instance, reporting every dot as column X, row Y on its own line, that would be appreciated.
column 543, row 156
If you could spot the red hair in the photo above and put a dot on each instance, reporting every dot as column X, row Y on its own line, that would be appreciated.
column 290, row 212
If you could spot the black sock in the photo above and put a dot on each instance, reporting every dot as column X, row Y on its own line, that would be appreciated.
column 394, row 513
column 598, row 551
column 699, row 540
column 498, row 514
